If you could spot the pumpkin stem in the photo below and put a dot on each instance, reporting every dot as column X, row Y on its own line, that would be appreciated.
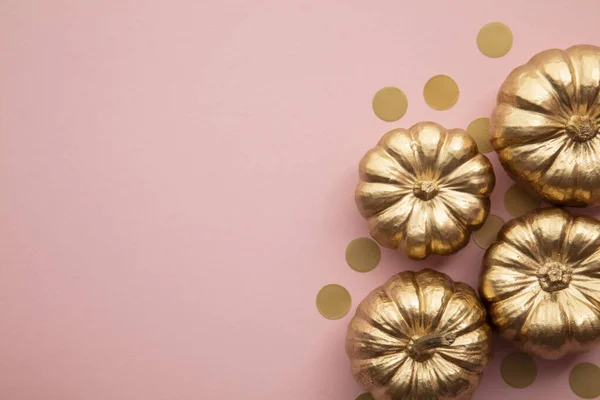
column 581, row 128
column 422, row 348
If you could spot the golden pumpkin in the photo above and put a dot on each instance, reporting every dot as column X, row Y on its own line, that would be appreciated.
column 541, row 282
column 424, row 189
column 546, row 122
column 419, row 336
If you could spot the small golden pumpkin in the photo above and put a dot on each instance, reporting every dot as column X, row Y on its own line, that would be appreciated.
column 419, row 336
column 546, row 123
column 424, row 189
column 541, row 282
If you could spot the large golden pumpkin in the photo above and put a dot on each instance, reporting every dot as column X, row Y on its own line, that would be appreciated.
column 424, row 189
column 419, row 336
column 546, row 123
column 541, row 282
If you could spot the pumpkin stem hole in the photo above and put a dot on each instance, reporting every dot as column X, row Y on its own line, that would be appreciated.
column 425, row 190
column 554, row 276
column 581, row 128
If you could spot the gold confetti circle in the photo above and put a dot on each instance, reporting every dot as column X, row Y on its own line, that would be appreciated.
column 479, row 131
column 390, row 104
column 485, row 236
column 518, row 202
column 365, row 396
column 585, row 380
column 518, row 370
column 441, row 92
column 363, row 254
column 333, row 301
column 495, row 39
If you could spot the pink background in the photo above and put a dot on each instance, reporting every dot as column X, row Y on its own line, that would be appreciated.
column 176, row 182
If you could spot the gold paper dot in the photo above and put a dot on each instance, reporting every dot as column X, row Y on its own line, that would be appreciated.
column 333, row 301
column 479, row 131
column 363, row 254
column 485, row 236
column 365, row 396
column 390, row 104
column 495, row 39
column 441, row 92
column 518, row 202
column 585, row 380
column 518, row 370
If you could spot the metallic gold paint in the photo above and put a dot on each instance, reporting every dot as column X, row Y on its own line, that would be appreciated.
column 495, row 39
column 584, row 380
column 441, row 92
column 419, row 336
column 479, row 130
column 424, row 189
column 390, row 104
column 363, row 254
column 541, row 282
column 546, row 122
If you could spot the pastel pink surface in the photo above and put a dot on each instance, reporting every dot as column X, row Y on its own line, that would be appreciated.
column 177, row 181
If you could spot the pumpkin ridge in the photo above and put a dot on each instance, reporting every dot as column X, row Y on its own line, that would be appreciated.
column 402, row 226
column 459, row 228
column 539, row 298
column 526, row 104
column 548, row 166
column 566, row 233
column 387, row 144
column 391, row 332
column 575, row 345
column 522, row 103
column 521, row 139
column 436, row 321
column 378, row 214
column 444, row 136
column 392, row 195
column 537, row 258
column 471, row 327
column 566, row 320
column 421, row 326
column 590, row 302
column 508, row 153
column 465, row 392
column 399, row 309
column 553, row 90
column 417, row 157
column 428, row 228
column 595, row 49
column 362, row 314
column 470, row 367
column 447, row 178
column 575, row 78
column 517, row 266
column 578, row 264
column 554, row 156
column 452, row 213
column 528, row 278
column 459, row 318
column 385, row 373
column 442, row 167
column 531, row 299
column 400, row 161
column 400, row 173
